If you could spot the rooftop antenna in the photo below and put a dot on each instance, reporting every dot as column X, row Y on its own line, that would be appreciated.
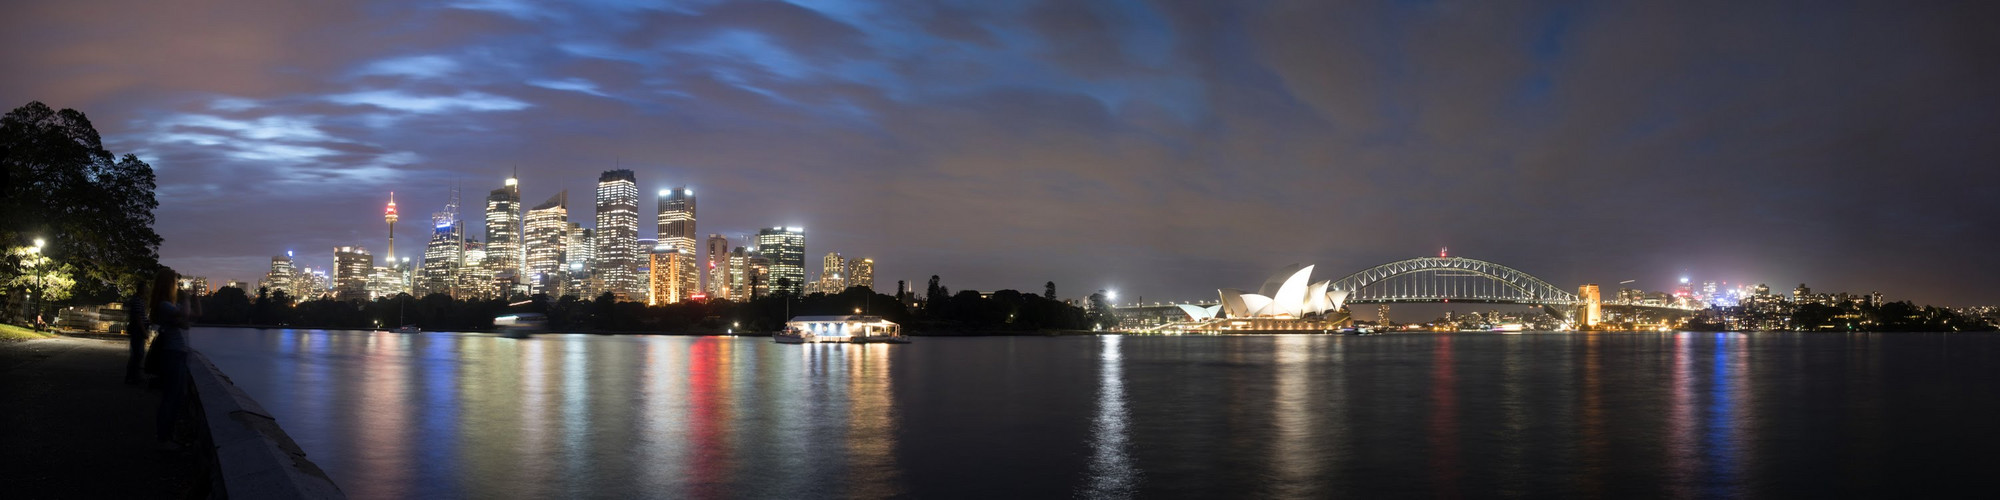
column 1442, row 251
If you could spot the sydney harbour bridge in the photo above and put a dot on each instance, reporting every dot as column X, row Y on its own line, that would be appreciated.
column 1440, row 279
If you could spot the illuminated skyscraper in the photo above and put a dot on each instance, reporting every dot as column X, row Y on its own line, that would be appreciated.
column 351, row 269
column 716, row 265
column 617, row 235
column 738, row 265
column 676, row 230
column 548, row 243
column 861, row 273
column 786, row 249
column 832, row 275
column 757, row 274
column 677, row 213
column 443, row 255
column 282, row 275
column 670, row 268
column 504, row 256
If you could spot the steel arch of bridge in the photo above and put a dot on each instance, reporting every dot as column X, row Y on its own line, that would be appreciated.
column 1526, row 287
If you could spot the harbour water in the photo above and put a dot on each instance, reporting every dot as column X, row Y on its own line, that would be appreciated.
column 456, row 415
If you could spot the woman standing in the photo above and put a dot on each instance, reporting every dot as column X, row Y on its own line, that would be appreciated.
column 172, row 311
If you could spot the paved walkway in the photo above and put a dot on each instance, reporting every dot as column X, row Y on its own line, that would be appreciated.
column 70, row 427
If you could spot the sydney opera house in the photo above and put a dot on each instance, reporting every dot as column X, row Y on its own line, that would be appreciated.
column 1286, row 302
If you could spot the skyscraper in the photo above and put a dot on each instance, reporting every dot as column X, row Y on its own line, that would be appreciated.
column 832, row 275
column 716, row 265
column 617, row 236
column 757, row 275
column 503, row 234
column 676, row 230
column 669, row 267
column 282, row 275
column 861, row 273
column 786, row 249
column 677, row 213
column 548, row 243
column 580, row 262
column 442, row 256
column 735, row 267
column 351, row 269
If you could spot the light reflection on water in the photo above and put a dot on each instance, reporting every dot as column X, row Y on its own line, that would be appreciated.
column 1684, row 415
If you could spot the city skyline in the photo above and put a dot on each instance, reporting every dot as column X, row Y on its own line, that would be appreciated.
column 1173, row 150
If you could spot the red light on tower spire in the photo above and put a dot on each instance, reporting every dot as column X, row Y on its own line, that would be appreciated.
column 390, row 213
column 1441, row 252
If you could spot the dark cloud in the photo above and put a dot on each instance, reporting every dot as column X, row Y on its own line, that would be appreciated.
column 1167, row 148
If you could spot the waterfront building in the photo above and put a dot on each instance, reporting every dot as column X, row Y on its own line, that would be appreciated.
column 617, row 236
column 1590, row 305
column 1382, row 315
column 861, row 273
column 351, row 269
column 548, row 243
column 786, row 249
column 669, row 268
column 1286, row 295
column 715, row 263
column 504, row 256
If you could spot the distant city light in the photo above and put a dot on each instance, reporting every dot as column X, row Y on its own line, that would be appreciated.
column 1111, row 295
column 663, row 192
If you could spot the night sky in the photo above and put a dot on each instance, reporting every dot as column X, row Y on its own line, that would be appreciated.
column 1163, row 149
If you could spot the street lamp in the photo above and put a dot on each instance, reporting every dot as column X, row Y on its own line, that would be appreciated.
column 40, row 287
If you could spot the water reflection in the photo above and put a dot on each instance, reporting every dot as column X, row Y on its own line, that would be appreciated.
column 1294, row 455
column 871, row 423
column 1444, row 464
column 446, row 415
column 1111, row 470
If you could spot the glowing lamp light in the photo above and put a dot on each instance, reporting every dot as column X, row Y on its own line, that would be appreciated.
column 39, row 243
column 1111, row 295
column 288, row 253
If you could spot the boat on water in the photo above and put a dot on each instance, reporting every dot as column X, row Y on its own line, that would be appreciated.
column 794, row 337
column 409, row 329
column 845, row 329
column 520, row 326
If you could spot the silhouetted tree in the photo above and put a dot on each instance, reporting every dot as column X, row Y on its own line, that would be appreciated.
column 1049, row 291
column 94, row 210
